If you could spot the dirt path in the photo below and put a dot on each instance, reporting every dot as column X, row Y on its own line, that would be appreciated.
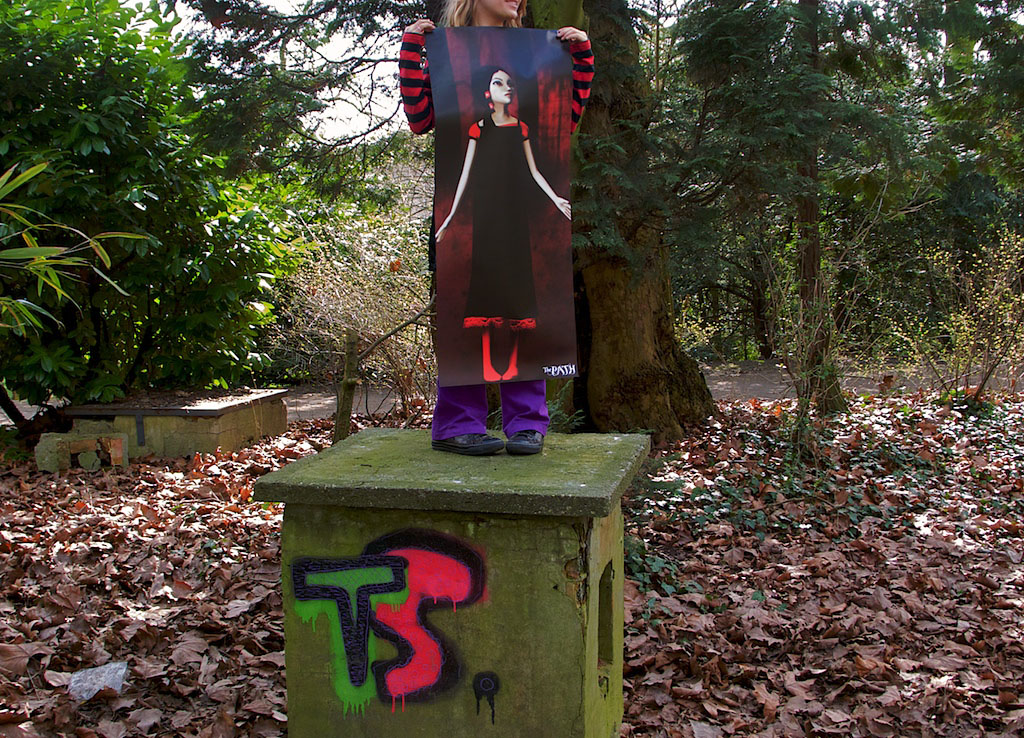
column 727, row 381
column 743, row 380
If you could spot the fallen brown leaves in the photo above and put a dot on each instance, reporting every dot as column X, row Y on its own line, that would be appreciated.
column 167, row 566
column 881, row 594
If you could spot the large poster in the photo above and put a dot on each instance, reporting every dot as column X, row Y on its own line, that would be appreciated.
column 502, row 101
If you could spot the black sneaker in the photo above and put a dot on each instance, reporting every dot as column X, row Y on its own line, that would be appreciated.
column 469, row 444
column 525, row 442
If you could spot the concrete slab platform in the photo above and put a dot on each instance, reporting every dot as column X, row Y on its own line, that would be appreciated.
column 582, row 474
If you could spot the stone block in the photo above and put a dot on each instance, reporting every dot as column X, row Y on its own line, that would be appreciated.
column 55, row 451
column 170, row 431
column 576, row 475
column 437, row 596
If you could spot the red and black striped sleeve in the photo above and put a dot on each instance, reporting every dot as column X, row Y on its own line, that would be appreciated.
column 414, row 79
column 582, row 76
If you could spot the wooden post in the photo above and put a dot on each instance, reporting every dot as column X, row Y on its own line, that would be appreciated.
column 345, row 390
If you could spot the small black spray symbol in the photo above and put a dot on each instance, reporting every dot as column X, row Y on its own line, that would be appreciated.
column 486, row 684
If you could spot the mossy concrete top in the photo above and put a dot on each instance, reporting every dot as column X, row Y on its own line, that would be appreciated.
column 580, row 475
column 177, row 403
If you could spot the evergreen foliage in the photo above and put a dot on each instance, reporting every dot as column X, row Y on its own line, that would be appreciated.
column 912, row 107
column 263, row 75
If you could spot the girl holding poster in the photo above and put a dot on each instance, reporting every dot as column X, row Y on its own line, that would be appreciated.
column 498, row 157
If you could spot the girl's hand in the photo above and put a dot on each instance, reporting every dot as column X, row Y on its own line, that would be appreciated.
column 573, row 35
column 564, row 207
column 440, row 232
column 423, row 25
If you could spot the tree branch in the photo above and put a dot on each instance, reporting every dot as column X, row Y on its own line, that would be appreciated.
column 373, row 346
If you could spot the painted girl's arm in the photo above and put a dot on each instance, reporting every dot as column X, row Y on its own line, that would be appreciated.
column 560, row 202
column 460, row 189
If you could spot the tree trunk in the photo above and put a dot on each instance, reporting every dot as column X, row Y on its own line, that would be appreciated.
column 817, row 378
column 633, row 372
column 10, row 409
column 637, row 376
column 759, row 306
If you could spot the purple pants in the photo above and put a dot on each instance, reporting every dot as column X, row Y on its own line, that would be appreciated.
column 463, row 409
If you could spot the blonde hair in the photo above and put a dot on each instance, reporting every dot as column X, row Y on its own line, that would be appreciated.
column 460, row 13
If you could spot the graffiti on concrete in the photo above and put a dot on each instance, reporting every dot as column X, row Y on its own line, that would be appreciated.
column 486, row 685
column 350, row 583
column 386, row 594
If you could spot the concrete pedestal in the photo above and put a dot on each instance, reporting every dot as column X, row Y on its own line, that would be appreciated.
column 432, row 595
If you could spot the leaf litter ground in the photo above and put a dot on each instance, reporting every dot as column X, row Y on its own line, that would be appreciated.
column 878, row 591
column 875, row 590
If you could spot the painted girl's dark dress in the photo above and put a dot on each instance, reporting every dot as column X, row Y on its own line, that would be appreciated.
column 501, row 291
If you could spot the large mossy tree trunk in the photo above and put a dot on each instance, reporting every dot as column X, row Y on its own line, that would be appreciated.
column 633, row 373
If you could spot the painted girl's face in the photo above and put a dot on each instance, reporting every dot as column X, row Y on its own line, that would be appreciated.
column 501, row 88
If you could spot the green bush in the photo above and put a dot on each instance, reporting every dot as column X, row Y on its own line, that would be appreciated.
column 20, row 250
column 96, row 90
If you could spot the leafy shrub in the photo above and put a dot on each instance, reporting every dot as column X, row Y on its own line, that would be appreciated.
column 979, row 335
column 94, row 89
column 47, row 265
column 361, row 271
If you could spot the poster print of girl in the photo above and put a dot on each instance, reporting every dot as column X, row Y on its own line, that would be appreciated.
column 504, row 262
column 499, row 165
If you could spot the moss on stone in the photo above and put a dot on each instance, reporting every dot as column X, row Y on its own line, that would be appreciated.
column 576, row 475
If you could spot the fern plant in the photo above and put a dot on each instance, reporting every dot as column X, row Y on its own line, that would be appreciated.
column 48, row 265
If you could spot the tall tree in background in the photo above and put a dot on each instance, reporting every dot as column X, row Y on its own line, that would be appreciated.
column 635, row 374
column 725, row 133
column 265, row 78
column 978, row 94
column 817, row 378
column 798, row 128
